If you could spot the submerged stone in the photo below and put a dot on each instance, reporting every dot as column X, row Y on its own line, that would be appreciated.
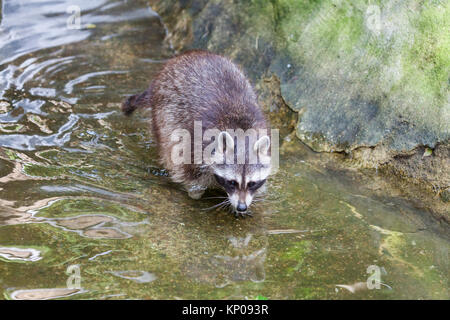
column 83, row 222
column 136, row 276
column 105, row 233
column 43, row 294
column 20, row 254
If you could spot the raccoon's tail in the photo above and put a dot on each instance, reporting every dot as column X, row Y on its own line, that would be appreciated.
column 132, row 103
column 129, row 105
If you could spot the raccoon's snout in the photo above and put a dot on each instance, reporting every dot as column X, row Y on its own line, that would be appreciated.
column 241, row 207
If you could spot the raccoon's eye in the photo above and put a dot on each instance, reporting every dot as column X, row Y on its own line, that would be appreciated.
column 226, row 183
column 232, row 183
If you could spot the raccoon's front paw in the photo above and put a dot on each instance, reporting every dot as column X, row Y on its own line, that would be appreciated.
column 196, row 192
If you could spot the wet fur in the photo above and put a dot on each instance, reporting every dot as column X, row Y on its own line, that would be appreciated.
column 197, row 86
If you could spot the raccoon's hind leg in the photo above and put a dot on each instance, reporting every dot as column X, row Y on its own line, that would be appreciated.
column 196, row 191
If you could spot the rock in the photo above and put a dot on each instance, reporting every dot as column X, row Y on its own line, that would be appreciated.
column 105, row 233
column 361, row 74
column 20, row 254
column 43, row 294
column 136, row 276
column 83, row 222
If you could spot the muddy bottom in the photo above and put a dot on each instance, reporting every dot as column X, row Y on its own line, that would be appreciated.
column 86, row 212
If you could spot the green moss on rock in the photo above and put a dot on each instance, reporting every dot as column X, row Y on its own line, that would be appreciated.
column 362, row 73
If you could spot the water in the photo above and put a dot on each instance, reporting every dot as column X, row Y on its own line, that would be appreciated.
column 81, row 191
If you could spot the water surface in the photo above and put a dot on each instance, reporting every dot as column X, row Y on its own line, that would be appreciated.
column 80, row 187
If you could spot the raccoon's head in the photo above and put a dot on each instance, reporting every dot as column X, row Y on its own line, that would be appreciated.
column 242, row 181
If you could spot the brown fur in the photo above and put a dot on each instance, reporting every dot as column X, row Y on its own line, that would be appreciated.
column 197, row 86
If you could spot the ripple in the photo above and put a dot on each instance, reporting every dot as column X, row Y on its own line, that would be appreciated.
column 4, row 106
column 43, row 92
column 31, row 106
column 78, row 188
column 33, row 68
column 83, row 78
column 32, row 142
column 100, row 254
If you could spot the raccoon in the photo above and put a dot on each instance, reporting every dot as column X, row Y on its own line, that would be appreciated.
column 210, row 91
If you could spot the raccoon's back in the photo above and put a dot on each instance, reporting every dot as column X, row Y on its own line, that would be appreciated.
column 201, row 86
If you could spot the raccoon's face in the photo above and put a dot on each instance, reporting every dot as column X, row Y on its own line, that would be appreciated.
column 242, row 183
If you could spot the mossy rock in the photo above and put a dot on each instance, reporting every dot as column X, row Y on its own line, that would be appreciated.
column 360, row 73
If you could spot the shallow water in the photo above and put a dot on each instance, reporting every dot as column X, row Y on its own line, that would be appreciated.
column 81, row 189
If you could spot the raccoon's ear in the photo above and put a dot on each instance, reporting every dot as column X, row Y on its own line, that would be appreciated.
column 229, row 142
column 262, row 145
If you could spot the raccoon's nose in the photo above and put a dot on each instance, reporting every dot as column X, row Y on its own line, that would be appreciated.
column 241, row 207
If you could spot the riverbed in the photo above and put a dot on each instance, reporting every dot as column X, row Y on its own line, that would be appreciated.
column 87, row 212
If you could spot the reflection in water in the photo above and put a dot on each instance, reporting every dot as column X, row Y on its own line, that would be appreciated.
column 81, row 184
column 240, row 242
column 136, row 276
column 240, row 268
column 44, row 294
column 19, row 254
